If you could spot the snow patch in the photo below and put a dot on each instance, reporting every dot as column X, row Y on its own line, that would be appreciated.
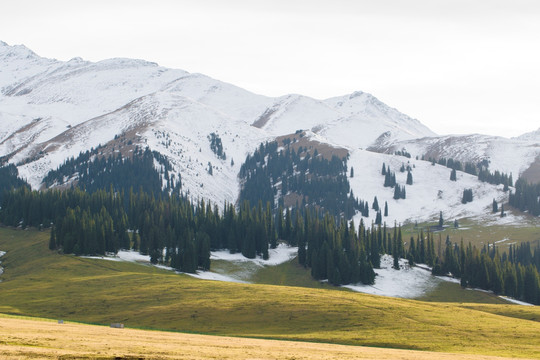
column 2, row 253
column 431, row 192
column 209, row 275
column 408, row 282
column 514, row 301
column 282, row 253
column 123, row 255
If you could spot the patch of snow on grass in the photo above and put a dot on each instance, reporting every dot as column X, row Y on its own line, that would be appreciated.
column 449, row 279
column 133, row 256
column 404, row 283
column 282, row 253
column 123, row 255
column 2, row 253
column 110, row 258
column 238, row 268
column 514, row 301
column 209, row 275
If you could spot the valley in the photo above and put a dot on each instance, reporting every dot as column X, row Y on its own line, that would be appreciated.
column 71, row 288
column 225, row 223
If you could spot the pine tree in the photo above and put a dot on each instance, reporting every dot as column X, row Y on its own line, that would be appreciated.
column 302, row 252
column 383, row 171
column 52, row 239
column 375, row 205
column 378, row 218
column 397, row 192
column 467, row 196
column 352, row 172
column 453, row 175
column 409, row 178
column 495, row 206
column 385, row 208
column 441, row 220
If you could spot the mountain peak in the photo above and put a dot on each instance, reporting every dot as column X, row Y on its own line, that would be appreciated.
column 20, row 51
column 533, row 135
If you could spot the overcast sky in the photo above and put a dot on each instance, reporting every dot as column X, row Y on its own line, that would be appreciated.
column 458, row 66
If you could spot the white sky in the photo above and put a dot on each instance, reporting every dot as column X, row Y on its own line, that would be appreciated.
column 458, row 66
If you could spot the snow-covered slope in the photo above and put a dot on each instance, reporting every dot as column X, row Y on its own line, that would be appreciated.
column 352, row 121
column 51, row 110
column 431, row 192
column 365, row 119
column 513, row 155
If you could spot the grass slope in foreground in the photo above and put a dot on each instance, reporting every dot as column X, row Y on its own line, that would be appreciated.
column 38, row 282
column 38, row 338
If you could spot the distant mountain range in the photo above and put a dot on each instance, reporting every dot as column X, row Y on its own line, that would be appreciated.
column 52, row 110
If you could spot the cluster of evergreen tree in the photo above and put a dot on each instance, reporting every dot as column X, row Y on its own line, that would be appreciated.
column 89, row 232
column 495, row 178
column 454, row 164
column 9, row 179
column 467, row 196
column 526, row 197
column 305, row 176
column 403, row 153
column 93, row 172
column 389, row 176
column 334, row 251
column 169, row 228
column 421, row 250
column 399, row 192
column 409, row 178
column 480, row 169
column 175, row 232
column 514, row 274
column 217, row 146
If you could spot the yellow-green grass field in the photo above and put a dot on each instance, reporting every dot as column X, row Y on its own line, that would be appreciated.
column 38, row 282
column 24, row 338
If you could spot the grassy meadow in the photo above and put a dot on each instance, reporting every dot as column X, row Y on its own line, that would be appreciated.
column 25, row 338
column 41, row 283
column 479, row 233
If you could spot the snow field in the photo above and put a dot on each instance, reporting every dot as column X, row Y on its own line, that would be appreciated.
column 431, row 192
column 282, row 253
column 404, row 283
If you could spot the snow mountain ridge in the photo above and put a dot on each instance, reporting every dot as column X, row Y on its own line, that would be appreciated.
column 52, row 110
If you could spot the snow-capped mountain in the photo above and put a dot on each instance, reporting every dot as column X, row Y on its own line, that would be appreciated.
column 52, row 110
column 515, row 155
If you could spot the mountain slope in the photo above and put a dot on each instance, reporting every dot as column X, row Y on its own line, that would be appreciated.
column 52, row 110
column 513, row 155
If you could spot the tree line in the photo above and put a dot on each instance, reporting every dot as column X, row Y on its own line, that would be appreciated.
column 480, row 170
column 515, row 274
column 526, row 197
column 298, row 178
column 91, row 172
